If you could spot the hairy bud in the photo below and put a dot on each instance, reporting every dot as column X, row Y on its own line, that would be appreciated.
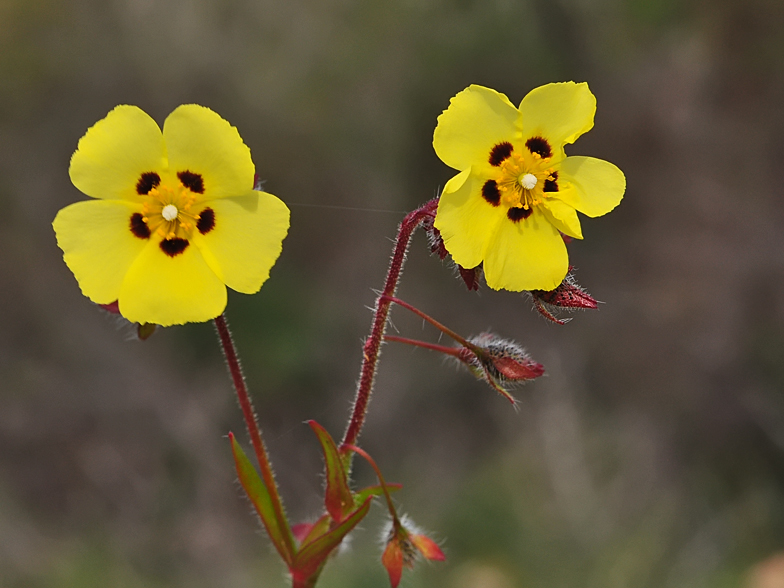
column 403, row 544
column 501, row 363
column 569, row 296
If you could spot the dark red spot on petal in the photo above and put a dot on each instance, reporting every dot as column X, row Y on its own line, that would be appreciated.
column 539, row 145
column 551, row 185
column 518, row 214
column 194, row 182
column 490, row 192
column 138, row 227
column 500, row 152
column 173, row 247
column 147, row 181
column 206, row 221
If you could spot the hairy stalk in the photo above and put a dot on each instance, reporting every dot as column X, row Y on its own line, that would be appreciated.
column 373, row 343
column 452, row 351
column 447, row 331
column 254, row 431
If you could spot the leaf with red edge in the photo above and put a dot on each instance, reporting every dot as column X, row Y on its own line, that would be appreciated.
column 262, row 501
column 312, row 555
column 337, row 498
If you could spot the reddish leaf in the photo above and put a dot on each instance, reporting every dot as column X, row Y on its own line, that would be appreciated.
column 337, row 498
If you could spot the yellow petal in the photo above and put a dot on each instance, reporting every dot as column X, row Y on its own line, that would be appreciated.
column 592, row 186
column 246, row 240
column 98, row 245
column 563, row 217
column 477, row 119
column 526, row 255
column 171, row 290
column 200, row 141
column 559, row 113
column 114, row 153
column 465, row 219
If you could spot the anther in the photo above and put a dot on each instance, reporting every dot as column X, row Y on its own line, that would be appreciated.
column 170, row 211
column 528, row 181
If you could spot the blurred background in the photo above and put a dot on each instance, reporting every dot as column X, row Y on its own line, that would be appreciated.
column 652, row 455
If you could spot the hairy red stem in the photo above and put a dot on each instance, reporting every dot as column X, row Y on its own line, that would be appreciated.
column 373, row 343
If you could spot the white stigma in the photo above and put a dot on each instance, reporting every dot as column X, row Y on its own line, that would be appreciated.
column 528, row 181
column 170, row 211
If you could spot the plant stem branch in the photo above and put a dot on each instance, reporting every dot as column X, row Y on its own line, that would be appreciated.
column 453, row 351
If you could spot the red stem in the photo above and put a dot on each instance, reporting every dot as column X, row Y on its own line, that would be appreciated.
column 453, row 351
column 253, row 428
column 385, row 490
column 432, row 321
column 373, row 342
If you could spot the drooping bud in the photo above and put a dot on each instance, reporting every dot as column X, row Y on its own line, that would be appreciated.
column 569, row 296
column 404, row 543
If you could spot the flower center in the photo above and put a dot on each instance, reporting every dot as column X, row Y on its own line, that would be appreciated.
column 522, row 180
column 528, row 181
column 167, row 211
column 170, row 212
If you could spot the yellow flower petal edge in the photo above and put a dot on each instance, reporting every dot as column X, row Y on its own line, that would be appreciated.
column 176, row 218
column 517, row 191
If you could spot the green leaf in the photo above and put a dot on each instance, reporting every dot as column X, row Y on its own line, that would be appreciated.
column 259, row 495
column 337, row 498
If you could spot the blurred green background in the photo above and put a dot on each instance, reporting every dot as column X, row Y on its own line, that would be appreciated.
column 651, row 456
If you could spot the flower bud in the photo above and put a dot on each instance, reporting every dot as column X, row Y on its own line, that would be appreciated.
column 404, row 543
column 568, row 296
column 502, row 364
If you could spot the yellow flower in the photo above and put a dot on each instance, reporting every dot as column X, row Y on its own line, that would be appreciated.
column 175, row 218
column 517, row 188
